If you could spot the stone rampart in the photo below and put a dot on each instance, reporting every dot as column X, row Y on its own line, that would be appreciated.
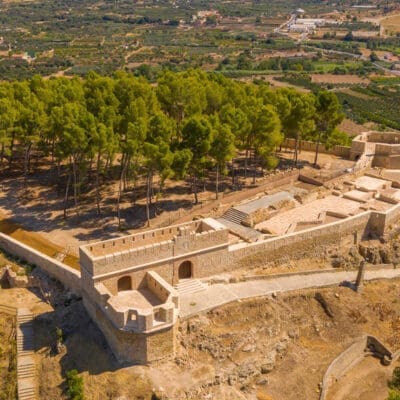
column 341, row 151
column 131, row 347
column 68, row 276
column 161, row 288
column 295, row 245
column 139, row 240
column 186, row 242
column 364, row 346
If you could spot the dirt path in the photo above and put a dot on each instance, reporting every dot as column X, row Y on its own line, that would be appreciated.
column 220, row 294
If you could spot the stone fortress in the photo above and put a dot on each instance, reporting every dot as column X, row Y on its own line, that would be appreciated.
column 131, row 286
column 138, row 288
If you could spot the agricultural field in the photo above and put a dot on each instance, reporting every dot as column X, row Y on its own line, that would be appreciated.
column 75, row 37
column 375, row 103
column 391, row 24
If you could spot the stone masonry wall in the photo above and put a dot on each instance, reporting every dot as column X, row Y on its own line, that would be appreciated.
column 68, row 276
column 152, row 253
column 133, row 348
column 349, row 358
column 296, row 245
column 341, row 151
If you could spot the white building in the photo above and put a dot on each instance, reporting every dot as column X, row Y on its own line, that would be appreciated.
column 301, row 28
column 311, row 21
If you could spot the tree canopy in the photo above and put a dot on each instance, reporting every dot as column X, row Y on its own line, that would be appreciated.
column 188, row 124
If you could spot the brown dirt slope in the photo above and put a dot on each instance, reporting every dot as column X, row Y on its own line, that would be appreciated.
column 272, row 348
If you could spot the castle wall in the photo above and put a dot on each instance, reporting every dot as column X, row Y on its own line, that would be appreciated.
column 133, row 348
column 342, row 233
column 340, row 151
column 349, row 358
column 184, row 243
column 140, row 239
column 68, row 276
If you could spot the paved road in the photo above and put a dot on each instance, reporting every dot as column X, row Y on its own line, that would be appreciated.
column 219, row 294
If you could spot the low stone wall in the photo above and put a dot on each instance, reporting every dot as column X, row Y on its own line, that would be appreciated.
column 341, row 151
column 364, row 346
column 162, row 289
column 289, row 274
column 340, row 233
column 68, row 276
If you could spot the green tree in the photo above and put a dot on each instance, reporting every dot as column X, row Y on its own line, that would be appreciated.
column 74, row 385
column 222, row 150
column 299, row 118
column 197, row 137
column 327, row 117
column 158, row 155
column 8, row 116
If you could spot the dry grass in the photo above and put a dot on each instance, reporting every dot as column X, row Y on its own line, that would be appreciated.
column 391, row 24
column 8, row 373
column 338, row 79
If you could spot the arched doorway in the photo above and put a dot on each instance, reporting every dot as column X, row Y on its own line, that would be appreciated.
column 185, row 270
column 124, row 283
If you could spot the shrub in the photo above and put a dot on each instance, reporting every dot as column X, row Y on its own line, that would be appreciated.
column 74, row 385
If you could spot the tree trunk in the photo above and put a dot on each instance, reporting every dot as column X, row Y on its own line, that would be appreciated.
column 26, row 165
column 67, row 191
column 217, row 183
column 245, row 163
column 254, row 167
column 151, row 191
column 75, row 184
column 11, row 148
column 148, row 196
column 296, row 144
column 98, row 183
column 121, row 178
column 317, row 150
column 2, row 155
column 196, row 200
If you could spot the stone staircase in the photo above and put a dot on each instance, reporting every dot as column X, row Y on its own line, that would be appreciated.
column 189, row 286
column 26, row 372
column 234, row 216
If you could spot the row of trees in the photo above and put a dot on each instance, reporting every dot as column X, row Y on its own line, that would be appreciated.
column 185, row 125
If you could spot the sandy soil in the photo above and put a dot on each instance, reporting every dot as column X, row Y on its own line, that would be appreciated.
column 391, row 24
column 366, row 381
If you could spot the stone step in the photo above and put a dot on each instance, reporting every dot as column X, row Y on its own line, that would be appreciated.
column 27, row 374
column 235, row 215
column 26, row 366
column 189, row 286
column 246, row 233
column 26, row 371
column 24, row 317
column 26, row 352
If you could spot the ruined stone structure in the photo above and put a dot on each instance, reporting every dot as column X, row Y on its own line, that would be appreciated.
column 382, row 147
column 130, row 285
column 127, row 284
